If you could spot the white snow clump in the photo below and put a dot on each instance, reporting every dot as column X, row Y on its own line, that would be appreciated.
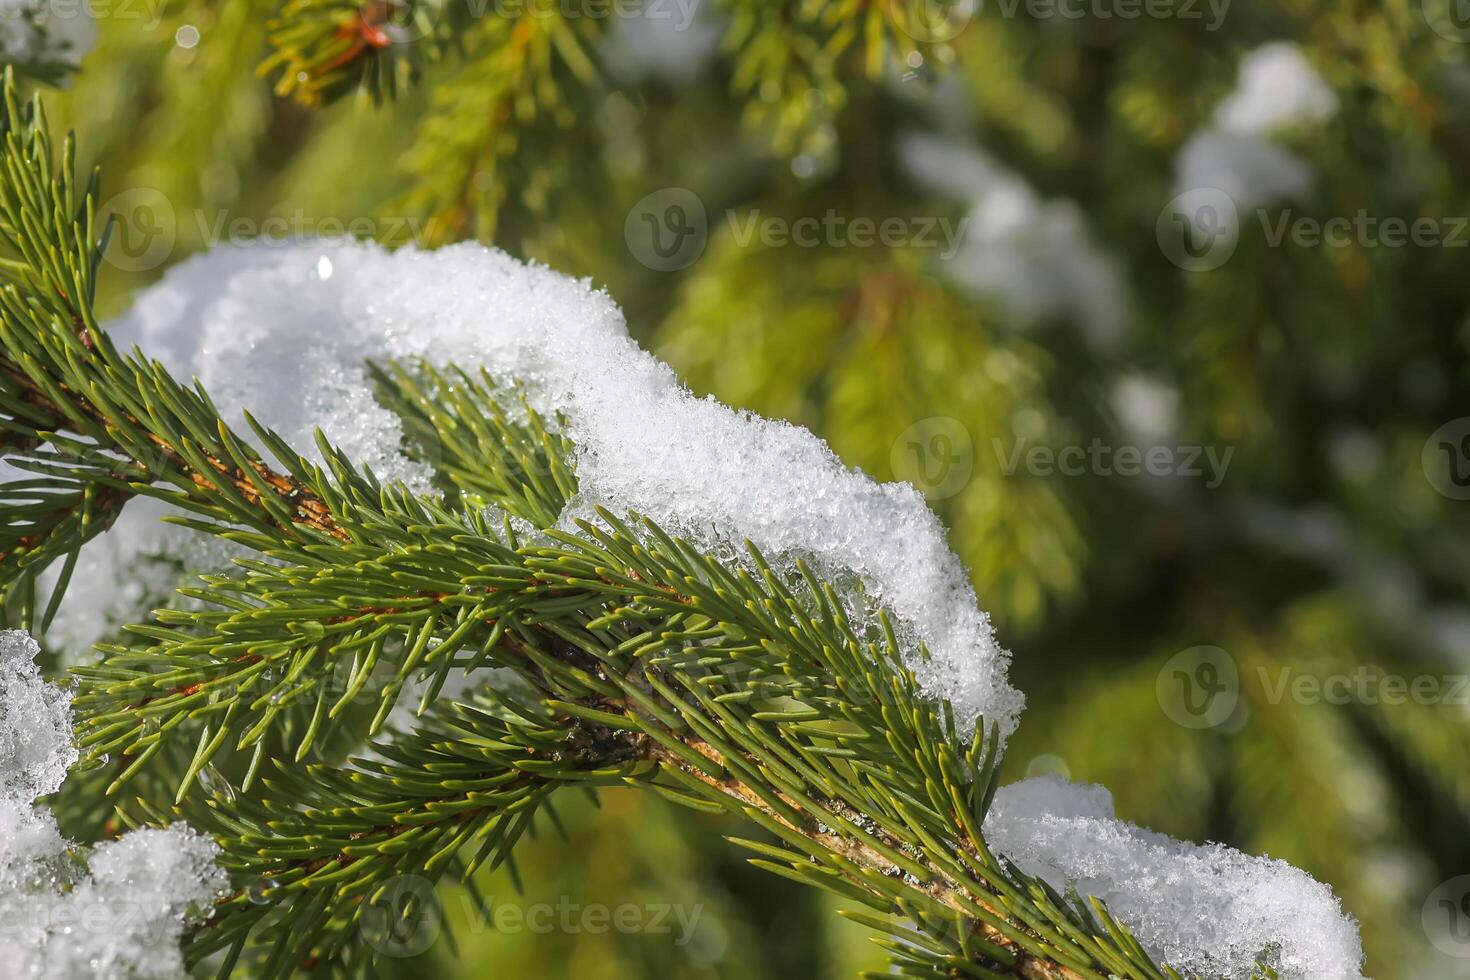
column 1277, row 88
column 1206, row 910
column 674, row 41
column 118, row 913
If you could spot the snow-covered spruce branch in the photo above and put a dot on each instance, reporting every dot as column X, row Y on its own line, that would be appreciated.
column 560, row 545
column 618, row 636
column 212, row 473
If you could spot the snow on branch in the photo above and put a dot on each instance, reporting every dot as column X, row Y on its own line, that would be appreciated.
column 117, row 912
column 1206, row 909
column 286, row 331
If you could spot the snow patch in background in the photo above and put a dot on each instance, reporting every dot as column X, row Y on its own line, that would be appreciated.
column 284, row 331
column 1277, row 89
column 1203, row 909
column 117, row 912
column 673, row 41
column 1250, row 169
column 1147, row 407
column 1036, row 257
column 46, row 32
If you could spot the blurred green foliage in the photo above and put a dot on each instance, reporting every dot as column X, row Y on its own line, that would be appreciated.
column 1323, row 370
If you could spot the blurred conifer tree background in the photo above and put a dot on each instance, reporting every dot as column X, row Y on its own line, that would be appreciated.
column 1163, row 304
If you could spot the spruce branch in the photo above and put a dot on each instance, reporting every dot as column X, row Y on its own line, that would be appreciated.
column 456, row 422
column 519, row 75
column 64, row 385
column 323, row 49
column 625, row 655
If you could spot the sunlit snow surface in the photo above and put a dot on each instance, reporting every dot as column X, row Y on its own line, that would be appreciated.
column 1205, row 909
column 116, row 912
